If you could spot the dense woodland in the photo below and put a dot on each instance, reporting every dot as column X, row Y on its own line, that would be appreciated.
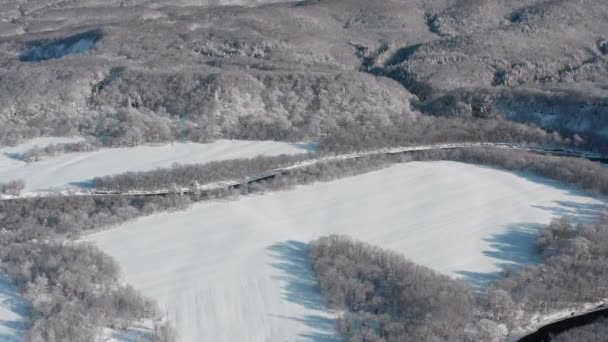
column 75, row 289
column 385, row 297
column 574, row 272
column 184, row 176
column 294, row 70
column 13, row 187
column 432, row 130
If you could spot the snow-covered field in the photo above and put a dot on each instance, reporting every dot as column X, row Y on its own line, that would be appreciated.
column 75, row 168
column 237, row 270
column 13, row 309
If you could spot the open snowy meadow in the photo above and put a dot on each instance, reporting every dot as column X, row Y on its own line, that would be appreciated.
column 75, row 169
column 238, row 270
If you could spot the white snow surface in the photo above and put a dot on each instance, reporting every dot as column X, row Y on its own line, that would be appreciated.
column 40, row 142
column 141, row 331
column 73, row 169
column 13, row 311
column 237, row 270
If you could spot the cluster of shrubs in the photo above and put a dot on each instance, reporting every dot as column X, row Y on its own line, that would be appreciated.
column 13, row 187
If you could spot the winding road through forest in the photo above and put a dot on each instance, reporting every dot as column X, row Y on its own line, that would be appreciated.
column 235, row 183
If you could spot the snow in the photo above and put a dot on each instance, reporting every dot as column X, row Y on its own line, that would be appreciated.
column 13, row 311
column 75, row 169
column 237, row 270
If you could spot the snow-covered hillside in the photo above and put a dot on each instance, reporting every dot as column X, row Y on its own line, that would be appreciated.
column 238, row 271
column 76, row 168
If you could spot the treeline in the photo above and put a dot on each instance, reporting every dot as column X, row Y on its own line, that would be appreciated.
column 13, row 187
column 188, row 175
column 433, row 130
column 75, row 291
column 37, row 153
column 580, row 172
column 74, row 288
column 41, row 218
column 574, row 272
column 385, row 297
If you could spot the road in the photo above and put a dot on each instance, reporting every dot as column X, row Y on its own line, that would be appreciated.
column 544, row 333
column 324, row 159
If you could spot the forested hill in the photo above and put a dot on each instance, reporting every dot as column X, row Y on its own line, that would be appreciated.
column 139, row 71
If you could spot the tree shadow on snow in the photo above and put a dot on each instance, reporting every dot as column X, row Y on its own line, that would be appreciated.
column 11, row 301
column 568, row 189
column 14, row 156
column 516, row 247
column 87, row 184
column 325, row 328
column 579, row 212
column 312, row 146
column 479, row 281
column 301, row 288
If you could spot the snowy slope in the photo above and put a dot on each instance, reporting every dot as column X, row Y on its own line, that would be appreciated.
column 237, row 271
column 13, row 310
column 60, row 171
